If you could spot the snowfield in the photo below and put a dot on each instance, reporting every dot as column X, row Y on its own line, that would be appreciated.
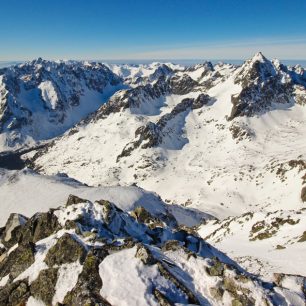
column 26, row 192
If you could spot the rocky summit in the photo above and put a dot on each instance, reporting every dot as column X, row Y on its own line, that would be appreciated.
column 42, row 99
column 94, row 253
column 152, row 184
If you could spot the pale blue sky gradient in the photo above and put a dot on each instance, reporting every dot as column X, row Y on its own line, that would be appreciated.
column 152, row 29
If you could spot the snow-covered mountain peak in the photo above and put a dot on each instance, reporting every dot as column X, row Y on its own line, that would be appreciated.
column 258, row 69
column 259, row 57
column 206, row 65
column 266, row 84
column 41, row 99
column 141, row 74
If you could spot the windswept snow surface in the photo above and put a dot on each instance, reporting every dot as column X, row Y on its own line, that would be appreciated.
column 26, row 192
column 263, row 243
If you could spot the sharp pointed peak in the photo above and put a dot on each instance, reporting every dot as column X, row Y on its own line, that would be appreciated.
column 259, row 57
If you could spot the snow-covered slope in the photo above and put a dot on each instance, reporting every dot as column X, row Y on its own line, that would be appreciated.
column 27, row 192
column 41, row 99
column 263, row 243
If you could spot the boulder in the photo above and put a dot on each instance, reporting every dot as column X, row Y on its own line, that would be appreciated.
column 16, row 293
column 87, row 289
column 72, row 200
column 109, row 210
column 43, row 288
column 66, row 250
column 142, row 215
column 216, row 269
column 18, row 260
column 12, row 231
column 40, row 226
column 145, row 255
column 303, row 194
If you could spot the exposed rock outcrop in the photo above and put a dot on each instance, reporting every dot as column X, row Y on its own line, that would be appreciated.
column 167, row 256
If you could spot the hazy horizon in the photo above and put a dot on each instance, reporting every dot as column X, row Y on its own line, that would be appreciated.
column 183, row 62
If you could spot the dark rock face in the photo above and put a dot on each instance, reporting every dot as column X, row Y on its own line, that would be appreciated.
column 182, row 85
column 72, row 199
column 264, row 83
column 17, row 260
column 66, row 250
column 259, row 68
column 86, row 291
column 133, row 98
column 200, row 101
column 207, row 67
column 256, row 98
column 152, row 134
column 24, row 230
column 40, row 226
column 55, row 87
column 16, row 293
column 303, row 194
column 11, row 233
column 20, row 229
column 43, row 288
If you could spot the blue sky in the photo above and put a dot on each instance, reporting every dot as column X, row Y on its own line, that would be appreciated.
column 152, row 29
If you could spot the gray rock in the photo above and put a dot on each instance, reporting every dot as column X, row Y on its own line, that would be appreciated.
column 303, row 194
column 18, row 260
column 66, row 250
column 72, row 200
column 216, row 269
column 43, row 288
column 12, row 231
column 161, row 298
column 87, row 289
column 40, row 226
column 15, row 294
column 145, row 255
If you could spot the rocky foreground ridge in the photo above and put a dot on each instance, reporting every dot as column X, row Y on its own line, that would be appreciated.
column 86, row 253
